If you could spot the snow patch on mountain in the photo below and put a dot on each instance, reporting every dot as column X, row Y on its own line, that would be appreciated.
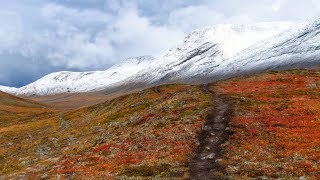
column 75, row 82
column 296, row 48
column 204, row 50
column 6, row 89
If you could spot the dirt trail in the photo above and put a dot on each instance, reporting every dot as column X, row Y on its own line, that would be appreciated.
column 204, row 164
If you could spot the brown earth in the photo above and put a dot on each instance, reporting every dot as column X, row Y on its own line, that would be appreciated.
column 214, row 133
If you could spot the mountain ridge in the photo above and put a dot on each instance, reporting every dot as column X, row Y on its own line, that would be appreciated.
column 205, row 55
column 76, row 82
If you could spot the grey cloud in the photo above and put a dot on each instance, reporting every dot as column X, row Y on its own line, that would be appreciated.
column 41, row 36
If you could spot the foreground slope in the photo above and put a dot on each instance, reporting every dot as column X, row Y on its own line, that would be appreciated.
column 167, row 132
column 149, row 133
column 275, row 126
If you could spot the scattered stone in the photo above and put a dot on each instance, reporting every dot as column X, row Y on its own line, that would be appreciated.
column 45, row 176
column 63, row 124
column 312, row 85
column 210, row 156
column 43, row 150
column 206, row 128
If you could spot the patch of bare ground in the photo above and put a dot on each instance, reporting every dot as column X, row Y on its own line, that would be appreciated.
column 205, row 163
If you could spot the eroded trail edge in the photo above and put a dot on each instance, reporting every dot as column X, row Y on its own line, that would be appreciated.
column 204, row 165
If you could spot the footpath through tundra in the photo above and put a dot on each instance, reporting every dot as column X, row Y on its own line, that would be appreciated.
column 205, row 163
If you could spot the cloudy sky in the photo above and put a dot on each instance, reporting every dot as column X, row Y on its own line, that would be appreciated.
column 42, row 36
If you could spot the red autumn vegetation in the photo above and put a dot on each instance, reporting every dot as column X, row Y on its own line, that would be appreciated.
column 276, row 125
column 152, row 133
column 149, row 133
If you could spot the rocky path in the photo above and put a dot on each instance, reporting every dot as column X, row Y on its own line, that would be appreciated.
column 204, row 164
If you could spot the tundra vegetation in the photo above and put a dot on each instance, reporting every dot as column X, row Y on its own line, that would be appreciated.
column 275, row 125
column 154, row 133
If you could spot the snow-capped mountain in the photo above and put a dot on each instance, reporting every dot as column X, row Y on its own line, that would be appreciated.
column 208, row 55
column 203, row 51
column 297, row 48
column 74, row 82
column 205, row 55
column 7, row 89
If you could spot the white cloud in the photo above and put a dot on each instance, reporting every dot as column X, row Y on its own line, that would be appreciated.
column 83, row 39
column 136, row 35
column 277, row 5
column 193, row 17
column 11, row 30
column 316, row 3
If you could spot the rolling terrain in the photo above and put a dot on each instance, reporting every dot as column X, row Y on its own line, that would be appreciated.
column 68, row 101
column 148, row 133
column 263, row 126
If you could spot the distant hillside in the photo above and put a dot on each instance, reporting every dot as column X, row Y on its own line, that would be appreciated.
column 10, row 100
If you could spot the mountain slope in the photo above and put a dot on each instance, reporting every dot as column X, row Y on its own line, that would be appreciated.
column 298, row 48
column 194, row 63
column 74, row 82
column 7, row 89
column 200, row 52
column 203, row 50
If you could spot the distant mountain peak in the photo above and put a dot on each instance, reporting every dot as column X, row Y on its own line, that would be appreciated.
column 75, row 82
